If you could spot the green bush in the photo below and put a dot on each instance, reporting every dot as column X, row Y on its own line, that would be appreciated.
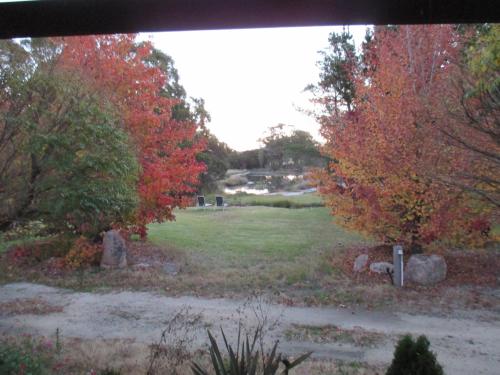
column 299, row 201
column 27, row 357
column 75, row 169
column 414, row 358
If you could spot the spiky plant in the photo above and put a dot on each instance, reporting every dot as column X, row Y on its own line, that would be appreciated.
column 245, row 359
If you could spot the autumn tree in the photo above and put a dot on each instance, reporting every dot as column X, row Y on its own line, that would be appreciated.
column 216, row 153
column 387, row 150
column 134, row 78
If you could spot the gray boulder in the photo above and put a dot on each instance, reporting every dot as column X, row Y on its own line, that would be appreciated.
column 426, row 269
column 360, row 263
column 381, row 267
column 114, row 254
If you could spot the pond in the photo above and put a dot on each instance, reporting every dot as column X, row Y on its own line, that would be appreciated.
column 268, row 184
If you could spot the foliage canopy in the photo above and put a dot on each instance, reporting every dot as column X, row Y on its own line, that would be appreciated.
column 388, row 142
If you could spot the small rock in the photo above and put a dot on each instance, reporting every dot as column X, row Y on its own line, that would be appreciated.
column 360, row 263
column 115, row 250
column 426, row 269
column 381, row 267
column 171, row 268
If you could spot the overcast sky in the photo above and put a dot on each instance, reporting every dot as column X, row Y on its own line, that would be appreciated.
column 250, row 79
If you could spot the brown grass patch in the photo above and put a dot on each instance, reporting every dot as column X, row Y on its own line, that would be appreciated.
column 473, row 268
column 318, row 367
column 356, row 336
column 34, row 306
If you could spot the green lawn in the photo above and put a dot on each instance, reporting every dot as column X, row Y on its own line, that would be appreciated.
column 253, row 232
column 254, row 246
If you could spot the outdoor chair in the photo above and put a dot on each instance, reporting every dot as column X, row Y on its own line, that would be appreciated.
column 202, row 203
column 219, row 202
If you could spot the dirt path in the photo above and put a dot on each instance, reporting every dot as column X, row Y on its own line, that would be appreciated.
column 464, row 345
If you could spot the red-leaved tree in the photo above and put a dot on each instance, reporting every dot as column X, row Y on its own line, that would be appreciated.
column 118, row 67
column 388, row 150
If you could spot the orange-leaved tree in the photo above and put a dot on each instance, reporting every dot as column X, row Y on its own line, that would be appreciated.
column 124, row 71
column 386, row 144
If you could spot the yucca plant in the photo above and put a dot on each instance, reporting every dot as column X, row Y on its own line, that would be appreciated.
column 245, row 360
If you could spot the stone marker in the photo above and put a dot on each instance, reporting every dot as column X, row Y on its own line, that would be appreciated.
column 426, row 269
column 381, row 267
column 360, row 263
column 115, row 250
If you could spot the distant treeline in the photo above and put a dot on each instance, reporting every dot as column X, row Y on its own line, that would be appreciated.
column 282, row 148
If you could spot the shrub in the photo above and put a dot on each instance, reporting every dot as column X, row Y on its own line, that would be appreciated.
column 34, row 357
column 29, row 253
column 19, row 255
column 246, row 360
column 281, row 204
column 414, row 358
column 83, row 253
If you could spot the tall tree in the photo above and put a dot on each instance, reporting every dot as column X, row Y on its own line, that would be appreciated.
column 166, row 147
column 387, row 149
column 216, row 153
column 336, row 88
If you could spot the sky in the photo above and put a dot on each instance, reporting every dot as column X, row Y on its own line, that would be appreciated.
column 250, row 79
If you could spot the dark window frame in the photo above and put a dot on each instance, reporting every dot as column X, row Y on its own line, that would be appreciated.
column 79, row 17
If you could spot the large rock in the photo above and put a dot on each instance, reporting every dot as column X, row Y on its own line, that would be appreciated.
column 381, row 267
column 114, row 254
column 425, row 269
column 360, row 263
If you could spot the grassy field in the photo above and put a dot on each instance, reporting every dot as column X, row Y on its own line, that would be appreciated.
column 252, row 232
column 254, row 246
column 293, row 255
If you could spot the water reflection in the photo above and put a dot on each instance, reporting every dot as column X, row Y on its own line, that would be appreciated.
column 261, row 184
column 245, row 189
